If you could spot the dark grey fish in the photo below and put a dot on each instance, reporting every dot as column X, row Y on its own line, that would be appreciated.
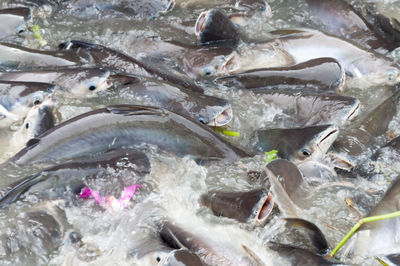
column 149, row 250
column 120, row 62
column 17, row 98
column 33, row 234
column 15, row 57
column 297, row 256
column 390, row 260
column 208, row 110
column 364, row 67
column 38, row 120
column 321, row 75
column 298, row 144
column 54, row 181
column 310, row 109
column 181, row 257
column 383, row 19
column 126, row 126
column 213, row 27
column 78, row 82
column 177, row 237
column 393, row 146
column 362, row 133
column 12, row 20
column 306, row 234
column 286, row 180
column 252, row 206
column 378, row 238
column 342, row 20
column 385, row 158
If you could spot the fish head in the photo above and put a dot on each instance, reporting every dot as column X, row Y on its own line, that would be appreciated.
column 38, row 97
column 382, row 71
column 216, row 115
column 39, row 119
column 85, row 82
column 204, row 63
column 316, row 141
column 14, row 20
column 298, row 144
column 149, row 251
column 181, row 257
column 214, row 27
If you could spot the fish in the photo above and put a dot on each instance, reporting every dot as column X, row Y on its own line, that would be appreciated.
column 17, row 99
column 39, row 119
column 298, row 144
column 181, row 257
column 311, row 109
column 12, row 20
column 363, row 67
column 208, row 110
column 120, row 62
column 252, row 206
column 34, row 233
column 384, row 20
column 380, row 237
column 341, row 19
column 119, row 126
column 77, row 82
column 177, row 237
column 16, row 57
column 306, row 234
column 53, row 182
column 290, row 255
column 362, row 133
column 287, row 190
column 213, row 27
column 149, row 250
column 253, row 56
column 321, row 75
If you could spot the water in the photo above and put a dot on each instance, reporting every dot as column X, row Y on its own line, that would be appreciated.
column 174, row 186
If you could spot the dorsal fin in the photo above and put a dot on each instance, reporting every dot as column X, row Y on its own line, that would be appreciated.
column 135, row 110
column 32, row 143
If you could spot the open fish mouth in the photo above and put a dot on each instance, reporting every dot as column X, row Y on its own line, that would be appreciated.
column 265, row 209
column 223, row 118
column 200, row 23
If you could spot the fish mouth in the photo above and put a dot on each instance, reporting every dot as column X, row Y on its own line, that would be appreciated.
column 104, row 82
column 327, row 138
column 265, row 210
column 354, row 111
column 223, row 118
column 200, row 23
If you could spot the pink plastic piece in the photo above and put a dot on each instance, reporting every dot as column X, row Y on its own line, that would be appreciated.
column 115, row 204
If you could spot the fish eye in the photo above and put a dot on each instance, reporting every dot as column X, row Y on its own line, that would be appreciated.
column 305, row 152
column 208, row 71
column 37, row 100
column 392, row 75
column 20, row 29
column 92, row 87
